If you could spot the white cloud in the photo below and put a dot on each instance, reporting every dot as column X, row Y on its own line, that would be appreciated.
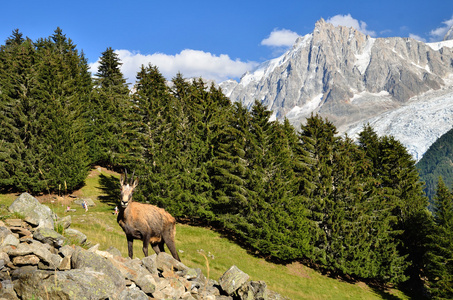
column 280, row 38
column 190, row 63
column 348, row 21
column 439, row 33
column 417, row 37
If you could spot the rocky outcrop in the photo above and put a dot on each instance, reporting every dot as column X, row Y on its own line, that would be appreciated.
column 36, row 263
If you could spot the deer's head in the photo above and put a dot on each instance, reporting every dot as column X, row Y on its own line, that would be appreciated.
column 127, row 189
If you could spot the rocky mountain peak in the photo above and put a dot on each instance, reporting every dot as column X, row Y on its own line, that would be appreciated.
column 344, row 75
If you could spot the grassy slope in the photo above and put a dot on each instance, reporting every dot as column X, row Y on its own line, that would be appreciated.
column 197, row 245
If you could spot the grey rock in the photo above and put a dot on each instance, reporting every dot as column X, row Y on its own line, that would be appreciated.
column 9, row 240
column 47, row 259
column 64, row 222
column 88, row 201
column 4, row 231
column 133, row 293
column 49, row 236
column 82, row 259
column 65, row 264
column 7, row 290
column 66, row 251
column 172, row 289
column 14, row 222
column 26, row 260
column 166, row 262
column 232, row 280
column 72, row 284
column 112, row 250
column 149, row 262
column 35, row 213
column 134, row 271
column 78, row 236
column 4, row 259
column 253, row 290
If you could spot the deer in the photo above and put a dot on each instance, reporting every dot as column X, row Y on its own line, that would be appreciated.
column 145, row 222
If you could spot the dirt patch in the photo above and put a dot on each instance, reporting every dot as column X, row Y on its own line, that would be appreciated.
column 97, row 170
column 362, row 285
column 298, row 269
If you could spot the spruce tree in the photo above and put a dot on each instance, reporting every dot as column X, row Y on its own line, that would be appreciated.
column 439, row 257
column 62, row 148
column 402, row 199
column 18, row 85
column 317, row 143
column 154, row 110
column 110, row 136
column 229, row 164
column 43, row 96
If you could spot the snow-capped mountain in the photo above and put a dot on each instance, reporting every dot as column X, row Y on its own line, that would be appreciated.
column 352, row 78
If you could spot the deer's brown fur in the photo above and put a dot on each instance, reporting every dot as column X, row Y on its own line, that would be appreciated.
column 145, row 222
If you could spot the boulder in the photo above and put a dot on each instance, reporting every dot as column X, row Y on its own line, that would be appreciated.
column 253, row 290
column 149, row 262
column 82, row 259
column 232, row 280
column 88, row 201
column 64, row 222
column 132, row 293
column 9, row 240
column 112, row 250
column 34, row 212
column 66, row 251
column 72, row 284
column 47, row 259
column 4, row 260
column 7, row 290
column 49, row 236
column 78, row 236
column 166, row 262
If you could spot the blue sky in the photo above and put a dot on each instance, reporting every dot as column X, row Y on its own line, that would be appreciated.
column 214, row 39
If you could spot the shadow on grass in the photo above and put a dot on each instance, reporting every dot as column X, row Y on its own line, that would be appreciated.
column 110, row 187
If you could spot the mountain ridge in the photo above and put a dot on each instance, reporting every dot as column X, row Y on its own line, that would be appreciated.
column 348, row 77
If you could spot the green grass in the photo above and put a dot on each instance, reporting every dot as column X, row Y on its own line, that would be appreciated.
column 294, row 281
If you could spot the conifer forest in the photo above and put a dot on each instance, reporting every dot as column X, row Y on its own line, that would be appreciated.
column 354, row 208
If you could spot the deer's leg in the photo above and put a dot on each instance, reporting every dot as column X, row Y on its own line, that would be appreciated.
column 130, row 248
column 169, row 238
column 156, row 248
column 161, row 245
column 145, row 245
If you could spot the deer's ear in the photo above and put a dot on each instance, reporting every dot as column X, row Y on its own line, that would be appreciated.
column 122, row 180
column 134, row 185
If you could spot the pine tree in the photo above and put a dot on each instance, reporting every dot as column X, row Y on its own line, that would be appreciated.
column 110, row 136
column 18, row 84
column 439, row 257
column 154, row 110
column 42, row 96
column 402, row 198
column 62, row 147
column 281, row 224
column 317, row 142
column 229, row 165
